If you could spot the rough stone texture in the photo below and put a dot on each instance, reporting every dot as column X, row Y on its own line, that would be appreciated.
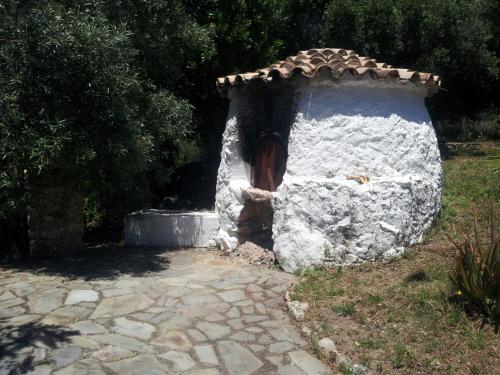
column 181, row 361
column 232, row 178
column 77, row 296
column 206, row 354
column 112, row 353
column 158, row 328
column 122, row 305
column 56, row 221
column 65, row 356
column 327, row 346
column 123, row 342
column 140, row 365
column 297, row 309
column 176, row 340
column 308, row 363
column 213, row 331
column 256, row 218
column 353, row 128
column 88, row 327
column 237, row 359
column 132, row 328
column 46, row 301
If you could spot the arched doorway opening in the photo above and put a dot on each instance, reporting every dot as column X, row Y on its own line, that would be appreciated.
column 269, row 162
column 268, row 167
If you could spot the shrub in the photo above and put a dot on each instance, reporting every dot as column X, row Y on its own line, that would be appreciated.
column 76, row 110
column 476, row 274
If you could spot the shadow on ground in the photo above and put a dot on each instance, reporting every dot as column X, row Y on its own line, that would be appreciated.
column 97, row 262
column 18, row 345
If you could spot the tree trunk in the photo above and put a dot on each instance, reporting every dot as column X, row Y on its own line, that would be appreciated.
column 56, row 222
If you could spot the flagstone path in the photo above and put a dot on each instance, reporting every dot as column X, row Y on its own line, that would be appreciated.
column 203, row 315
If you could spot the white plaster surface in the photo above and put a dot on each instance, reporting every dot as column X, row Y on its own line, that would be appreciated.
column 231, row 179
column 382, row 132
column 170, row 228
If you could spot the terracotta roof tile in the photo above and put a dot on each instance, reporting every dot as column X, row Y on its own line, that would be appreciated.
column 337, row 62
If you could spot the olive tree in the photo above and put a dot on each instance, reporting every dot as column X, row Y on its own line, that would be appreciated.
column 73, row 111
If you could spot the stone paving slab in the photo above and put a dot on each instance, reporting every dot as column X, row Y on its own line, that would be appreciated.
column 202, row 315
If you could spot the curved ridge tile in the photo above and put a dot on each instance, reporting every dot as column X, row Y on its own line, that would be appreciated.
column 337, row 61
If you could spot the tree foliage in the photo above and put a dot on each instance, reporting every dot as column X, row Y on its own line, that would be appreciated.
column 107, row 95
column 75, row 109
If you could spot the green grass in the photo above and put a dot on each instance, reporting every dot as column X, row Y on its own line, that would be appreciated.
column 467, row 184
column 373, row 299
column 401, row 355
column 374, row 343
column 344, row 309
column 317, row 284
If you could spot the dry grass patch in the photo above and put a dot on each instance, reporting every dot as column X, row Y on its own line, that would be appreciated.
column 396, row 318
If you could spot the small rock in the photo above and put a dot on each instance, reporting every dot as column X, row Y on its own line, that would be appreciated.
column 306, row 331
column 361, row 370
column 327, row 346
column 298, row 309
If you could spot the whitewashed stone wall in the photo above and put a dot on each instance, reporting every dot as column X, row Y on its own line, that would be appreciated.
column 233, row 176
column 356, row 128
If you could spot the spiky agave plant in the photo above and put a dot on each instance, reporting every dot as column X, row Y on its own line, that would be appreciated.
column 476, row 274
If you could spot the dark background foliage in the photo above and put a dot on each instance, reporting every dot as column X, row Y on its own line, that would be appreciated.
column 111, row 97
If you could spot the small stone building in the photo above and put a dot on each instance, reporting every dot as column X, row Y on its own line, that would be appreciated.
column 329, row 157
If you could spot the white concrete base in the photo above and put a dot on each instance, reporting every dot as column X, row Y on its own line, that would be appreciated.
column 171, row 228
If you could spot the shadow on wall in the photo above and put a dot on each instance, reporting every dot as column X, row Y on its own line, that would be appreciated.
column 97, row 262
column 265, row 110
column 18, row 344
